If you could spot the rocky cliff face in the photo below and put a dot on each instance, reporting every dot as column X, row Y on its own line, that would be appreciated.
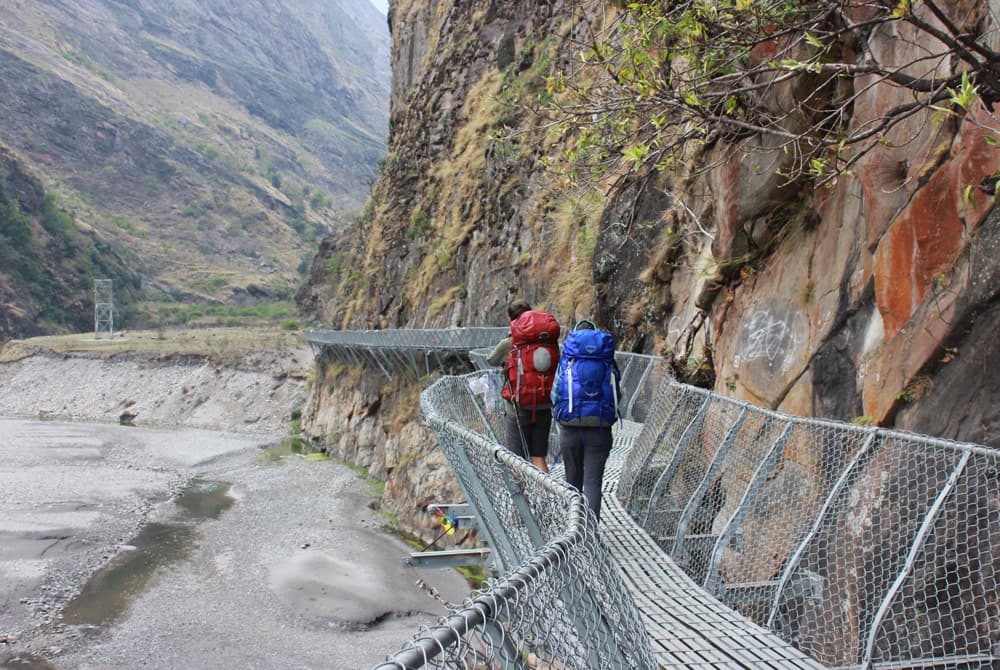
column 216, row 140
column 873, row 300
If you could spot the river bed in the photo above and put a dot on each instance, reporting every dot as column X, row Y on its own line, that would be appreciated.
column 124, row 547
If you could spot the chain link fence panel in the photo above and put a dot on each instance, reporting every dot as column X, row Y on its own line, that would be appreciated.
column 862, row 547
column 561, row 602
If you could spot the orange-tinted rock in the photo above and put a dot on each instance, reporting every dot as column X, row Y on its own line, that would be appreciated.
column 932, row 231
column 764, row 51
column 922, row 242
column 727, row 206
column 886, row 373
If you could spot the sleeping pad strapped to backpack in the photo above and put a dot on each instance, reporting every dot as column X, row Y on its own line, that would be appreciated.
column 531, row 363
column 588, row 376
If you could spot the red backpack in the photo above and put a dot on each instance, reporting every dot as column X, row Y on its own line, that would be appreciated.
column 531, row 363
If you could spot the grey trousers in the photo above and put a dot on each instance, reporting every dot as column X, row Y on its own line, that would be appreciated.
column 585, row 451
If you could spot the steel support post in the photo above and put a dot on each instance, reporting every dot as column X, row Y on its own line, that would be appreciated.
column 841, row 484
column 713, row 469
column 918, row 542
column 663, row 481
column 713, row 584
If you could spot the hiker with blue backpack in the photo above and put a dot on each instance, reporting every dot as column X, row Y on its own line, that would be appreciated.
column 528, row 357
column 585, row 404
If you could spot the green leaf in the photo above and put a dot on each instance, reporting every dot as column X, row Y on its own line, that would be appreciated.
column 966, row 94
column 637, row 154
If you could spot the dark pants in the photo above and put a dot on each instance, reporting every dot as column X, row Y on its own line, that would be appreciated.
column 528, row 438
column 585, row 452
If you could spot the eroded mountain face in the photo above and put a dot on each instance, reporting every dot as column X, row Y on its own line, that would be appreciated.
column 872, row 300
column 217, row 141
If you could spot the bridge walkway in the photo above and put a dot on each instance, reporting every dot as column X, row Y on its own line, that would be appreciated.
column 688, row 628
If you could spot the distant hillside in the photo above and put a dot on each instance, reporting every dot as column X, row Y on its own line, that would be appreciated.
column 217, row 141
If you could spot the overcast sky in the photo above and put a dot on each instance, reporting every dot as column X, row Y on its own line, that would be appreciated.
column 383, row 5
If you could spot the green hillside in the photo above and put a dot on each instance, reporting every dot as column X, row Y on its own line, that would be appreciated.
column 212, row 144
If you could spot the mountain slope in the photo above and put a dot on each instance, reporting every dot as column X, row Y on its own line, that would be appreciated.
column 48, row 262
column 217, row 140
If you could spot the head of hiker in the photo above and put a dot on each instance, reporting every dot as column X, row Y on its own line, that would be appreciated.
column 517, row 308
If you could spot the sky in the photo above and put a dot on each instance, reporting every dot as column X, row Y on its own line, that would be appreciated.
column 382, row 5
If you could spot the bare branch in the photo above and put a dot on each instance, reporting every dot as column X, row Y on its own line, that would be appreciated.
column 663, row 78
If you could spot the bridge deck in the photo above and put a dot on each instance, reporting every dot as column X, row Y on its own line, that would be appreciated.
column 688, row 628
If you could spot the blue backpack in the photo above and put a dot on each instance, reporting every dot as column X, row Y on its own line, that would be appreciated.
column 587, row 379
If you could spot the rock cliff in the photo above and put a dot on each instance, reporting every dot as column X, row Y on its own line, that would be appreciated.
column 864, row 300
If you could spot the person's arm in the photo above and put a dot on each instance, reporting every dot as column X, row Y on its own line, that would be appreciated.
column 554, row 394
column 497, row 357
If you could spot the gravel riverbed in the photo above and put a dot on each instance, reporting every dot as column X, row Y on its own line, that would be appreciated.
column 102, row 564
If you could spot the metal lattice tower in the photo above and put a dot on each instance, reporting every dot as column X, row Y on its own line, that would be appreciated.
column 104, row 308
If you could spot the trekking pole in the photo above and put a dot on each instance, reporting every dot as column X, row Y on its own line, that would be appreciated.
column 435, row 540
column 517, row 417
column 520, row 431
column 449, row 524
column 558, row 454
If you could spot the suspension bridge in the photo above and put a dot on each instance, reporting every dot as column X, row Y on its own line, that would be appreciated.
column 731, row 536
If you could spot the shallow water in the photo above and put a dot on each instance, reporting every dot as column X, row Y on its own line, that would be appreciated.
column 111, row 589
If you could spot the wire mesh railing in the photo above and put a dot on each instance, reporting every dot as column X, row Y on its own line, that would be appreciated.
column 863, row 547
column 562, row 602
column 411, row 353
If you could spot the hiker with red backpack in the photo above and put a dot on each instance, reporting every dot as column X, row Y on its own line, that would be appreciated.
column 529, row 359
column 585, row 396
